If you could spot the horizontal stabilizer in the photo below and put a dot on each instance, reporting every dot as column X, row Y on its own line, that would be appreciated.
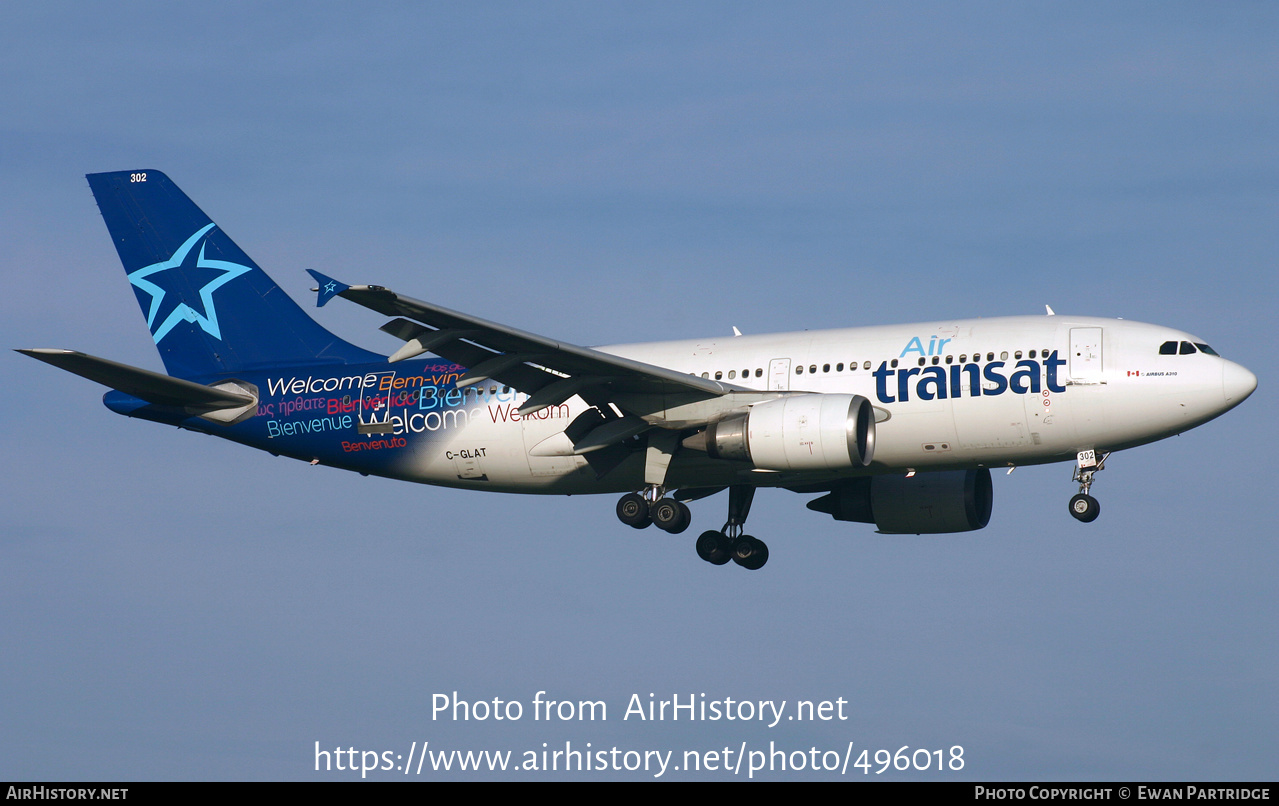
column 144, row 384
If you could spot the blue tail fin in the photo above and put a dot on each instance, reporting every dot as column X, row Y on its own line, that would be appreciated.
column 210, row 308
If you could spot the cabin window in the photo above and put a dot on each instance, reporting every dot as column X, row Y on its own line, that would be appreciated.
column 936, row 360
column 950, row 359
column 732, row 373
column 706, row 375
column 990, row 356
column 719, row 376
column 894, row 363
column 1032, row 354
column 1003, row 356
column 963, row 359
column 1017, row 355
column 866, row 365
column 825, row 367
column 759, row 373
column 922, row 360
column 799, row 370
column 839, row 367
column 812, row 369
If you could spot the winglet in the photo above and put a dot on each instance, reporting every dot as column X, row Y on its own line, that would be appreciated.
column 328, row 288
column 1051, row 312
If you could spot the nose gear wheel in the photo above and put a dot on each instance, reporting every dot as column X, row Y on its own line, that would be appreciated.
column 1083, row 507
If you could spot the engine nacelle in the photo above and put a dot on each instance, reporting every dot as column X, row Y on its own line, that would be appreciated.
column 925, row 503
column 798, row 432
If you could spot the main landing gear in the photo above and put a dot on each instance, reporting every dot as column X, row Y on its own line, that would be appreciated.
column 639, row 510
column 1083, row 506
column 717, row 548
column 651, row 506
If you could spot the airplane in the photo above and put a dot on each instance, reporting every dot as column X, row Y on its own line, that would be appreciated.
column 896, row 426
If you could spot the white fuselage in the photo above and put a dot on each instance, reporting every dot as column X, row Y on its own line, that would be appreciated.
column 1048, row 387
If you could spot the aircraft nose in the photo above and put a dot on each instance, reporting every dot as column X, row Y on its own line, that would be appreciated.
column 1236, row 382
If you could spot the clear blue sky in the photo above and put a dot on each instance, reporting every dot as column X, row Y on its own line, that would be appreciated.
column 180, row 607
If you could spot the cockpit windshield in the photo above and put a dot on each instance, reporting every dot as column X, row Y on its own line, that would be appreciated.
column 1184, row 348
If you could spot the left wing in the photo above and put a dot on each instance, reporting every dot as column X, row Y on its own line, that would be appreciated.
column 549, row 371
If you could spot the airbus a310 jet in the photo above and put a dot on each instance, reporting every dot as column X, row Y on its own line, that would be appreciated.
column 898, row 426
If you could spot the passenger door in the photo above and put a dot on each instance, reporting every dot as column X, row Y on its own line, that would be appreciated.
column 779, row 375
column 1085, row 354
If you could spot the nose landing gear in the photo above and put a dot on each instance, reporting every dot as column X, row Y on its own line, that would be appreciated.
column 1083, row 506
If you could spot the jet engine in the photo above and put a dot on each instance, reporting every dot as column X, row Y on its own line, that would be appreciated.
column 925, row 503
column 797, row 432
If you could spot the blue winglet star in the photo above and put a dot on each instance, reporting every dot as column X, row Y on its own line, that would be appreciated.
column 328, row 287
column 169, row 305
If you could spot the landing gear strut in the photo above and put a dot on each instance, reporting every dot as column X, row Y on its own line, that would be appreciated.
column 651, row 505
column 1083, row 506
column 717, row 548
